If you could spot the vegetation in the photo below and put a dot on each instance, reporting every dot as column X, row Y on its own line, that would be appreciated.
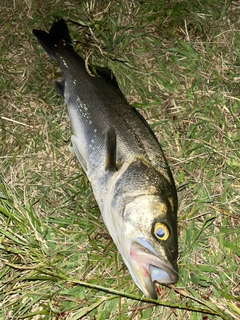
column 178, row 62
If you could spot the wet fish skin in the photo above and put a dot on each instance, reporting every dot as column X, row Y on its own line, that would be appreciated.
column 129, row 175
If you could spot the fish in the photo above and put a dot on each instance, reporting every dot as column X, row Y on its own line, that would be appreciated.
column 124, row 163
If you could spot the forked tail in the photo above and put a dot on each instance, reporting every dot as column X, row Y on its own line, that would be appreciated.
column 57, row 37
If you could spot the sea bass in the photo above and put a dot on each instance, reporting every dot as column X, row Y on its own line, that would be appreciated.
column 123, row 160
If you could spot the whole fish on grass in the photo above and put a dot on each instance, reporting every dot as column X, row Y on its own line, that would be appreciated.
column 129, row 175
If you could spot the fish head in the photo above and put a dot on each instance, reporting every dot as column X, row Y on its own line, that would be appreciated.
column 151, row 243
column 142, row 204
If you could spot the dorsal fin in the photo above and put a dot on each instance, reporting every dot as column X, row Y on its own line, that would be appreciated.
column 104, row 72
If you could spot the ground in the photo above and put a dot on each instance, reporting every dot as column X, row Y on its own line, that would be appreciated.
column 178, row 62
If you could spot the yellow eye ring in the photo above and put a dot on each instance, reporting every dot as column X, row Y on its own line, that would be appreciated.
column 161, row 231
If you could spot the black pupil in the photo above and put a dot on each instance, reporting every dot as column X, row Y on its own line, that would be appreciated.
column 160, row 232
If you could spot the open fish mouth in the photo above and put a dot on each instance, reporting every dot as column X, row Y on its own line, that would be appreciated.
column 150, row 269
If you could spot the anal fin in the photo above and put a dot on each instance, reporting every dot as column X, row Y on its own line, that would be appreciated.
column 60, row 85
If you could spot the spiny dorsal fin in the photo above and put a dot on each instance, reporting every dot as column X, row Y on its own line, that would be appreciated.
column 111, row 149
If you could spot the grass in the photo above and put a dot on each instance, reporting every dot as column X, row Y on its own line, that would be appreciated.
column 178, row 62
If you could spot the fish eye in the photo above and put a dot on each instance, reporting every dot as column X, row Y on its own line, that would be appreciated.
column 161, row 231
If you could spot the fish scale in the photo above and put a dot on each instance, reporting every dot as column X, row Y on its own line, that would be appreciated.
column 124, row 162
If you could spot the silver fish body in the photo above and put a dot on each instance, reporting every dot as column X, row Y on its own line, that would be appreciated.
column 129, row 175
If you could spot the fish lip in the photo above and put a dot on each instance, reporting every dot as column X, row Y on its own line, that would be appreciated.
column 152, row 268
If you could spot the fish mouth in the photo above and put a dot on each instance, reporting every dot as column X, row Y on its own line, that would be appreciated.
column 149, row 269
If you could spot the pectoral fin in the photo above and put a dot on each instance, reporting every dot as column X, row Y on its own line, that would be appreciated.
column 111, row 150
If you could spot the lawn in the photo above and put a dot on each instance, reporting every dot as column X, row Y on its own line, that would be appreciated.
column 178, row 62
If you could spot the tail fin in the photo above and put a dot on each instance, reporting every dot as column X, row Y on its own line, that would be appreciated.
column 57, row 36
